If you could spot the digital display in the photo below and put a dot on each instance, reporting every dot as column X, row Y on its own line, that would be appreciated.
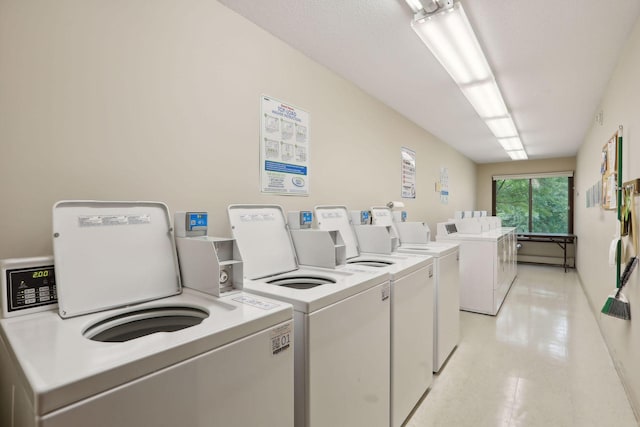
column 451, row 228
column 306, row 217
column 196, row 221
column 31, row 287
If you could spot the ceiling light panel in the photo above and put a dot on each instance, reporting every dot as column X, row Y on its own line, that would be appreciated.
column 510, row 144
column 486, row 99
column 451, row 39
column 502, row 128
column 415, row 5
column 517, row 155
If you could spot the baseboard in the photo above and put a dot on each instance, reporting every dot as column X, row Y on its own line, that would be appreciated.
column 595, row 310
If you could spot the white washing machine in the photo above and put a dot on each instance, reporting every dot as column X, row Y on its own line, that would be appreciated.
column 446, row 294
column 486, row 267
column 411, row 309
column 341, row 323
column 127, row 346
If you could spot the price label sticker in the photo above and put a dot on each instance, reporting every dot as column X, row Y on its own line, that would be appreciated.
column 280, row 338
column 256, row 302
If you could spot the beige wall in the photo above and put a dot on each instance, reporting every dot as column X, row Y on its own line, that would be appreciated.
column 139, row 100
column 596, row 228
column 486, row 171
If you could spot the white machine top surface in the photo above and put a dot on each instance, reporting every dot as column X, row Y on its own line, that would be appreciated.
column 263, row 239
column 111, row 254
column 435, row 249
column 337, row 218
column 62, row 366
column 491, row 235
column 348, row 281
column 397, row 265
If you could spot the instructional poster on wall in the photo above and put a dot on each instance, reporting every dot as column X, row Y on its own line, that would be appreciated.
column 408, row 173
column 284, row 148
column 444, row 186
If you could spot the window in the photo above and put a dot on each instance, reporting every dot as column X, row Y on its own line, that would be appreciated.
column 535, row 204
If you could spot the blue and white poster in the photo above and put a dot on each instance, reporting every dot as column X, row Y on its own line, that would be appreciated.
column 284, row 148
column 408, row 173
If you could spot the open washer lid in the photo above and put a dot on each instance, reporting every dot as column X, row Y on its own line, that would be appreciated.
column 382, row 215
column 337, row 218
column 112, row 254
column 263, row 240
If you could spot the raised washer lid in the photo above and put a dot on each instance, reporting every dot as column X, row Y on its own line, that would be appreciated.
column 263, row 240
column 337, row 218
column 112, row 254
column 383, row 216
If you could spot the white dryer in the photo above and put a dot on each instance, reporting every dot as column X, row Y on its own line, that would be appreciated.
column 127, row 346
column 341, row 323
column 411, row 308
column 446, row 290
column 487, row 263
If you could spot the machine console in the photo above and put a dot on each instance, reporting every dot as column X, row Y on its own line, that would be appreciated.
column 28, row 287
column 451, row 228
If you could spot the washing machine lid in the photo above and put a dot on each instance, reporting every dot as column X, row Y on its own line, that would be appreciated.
column 382, row 215
column 263, row 240
column 112, row 254
column 337, row 218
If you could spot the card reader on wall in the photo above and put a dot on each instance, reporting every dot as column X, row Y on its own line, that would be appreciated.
column 209, row 264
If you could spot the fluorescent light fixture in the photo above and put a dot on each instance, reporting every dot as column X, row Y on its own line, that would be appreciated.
column 511, row 144
column 451, row 39
column 448, row 34
column 415, row 5
column 486, row 99
column 502, row 128
column 517, row 155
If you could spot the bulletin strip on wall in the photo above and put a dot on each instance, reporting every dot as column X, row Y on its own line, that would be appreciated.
column 284, row 148
column 609, row 170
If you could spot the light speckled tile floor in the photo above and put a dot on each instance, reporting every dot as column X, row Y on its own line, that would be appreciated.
column 540, row 362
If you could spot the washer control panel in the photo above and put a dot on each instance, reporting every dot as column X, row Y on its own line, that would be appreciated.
column 29, row 285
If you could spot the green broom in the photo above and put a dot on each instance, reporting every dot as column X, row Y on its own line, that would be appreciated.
column 617, row 304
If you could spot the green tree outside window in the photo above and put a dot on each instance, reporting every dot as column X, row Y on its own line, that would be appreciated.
column 535, row 205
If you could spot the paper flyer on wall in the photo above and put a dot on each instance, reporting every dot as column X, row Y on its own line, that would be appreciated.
column 408, row 189
column 444, row 185
column 284, row 148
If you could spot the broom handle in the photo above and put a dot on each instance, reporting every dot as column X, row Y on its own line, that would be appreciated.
column 619, row 203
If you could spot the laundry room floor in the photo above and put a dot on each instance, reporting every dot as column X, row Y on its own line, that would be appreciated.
column 540, row 362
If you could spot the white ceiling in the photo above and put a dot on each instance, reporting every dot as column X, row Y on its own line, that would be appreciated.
column 552, row 61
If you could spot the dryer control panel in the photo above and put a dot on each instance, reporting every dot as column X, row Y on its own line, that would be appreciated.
column 28, row 284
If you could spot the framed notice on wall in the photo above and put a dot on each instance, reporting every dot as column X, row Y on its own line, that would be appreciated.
column 408, row 173
column 609, row 171
column 284, row 148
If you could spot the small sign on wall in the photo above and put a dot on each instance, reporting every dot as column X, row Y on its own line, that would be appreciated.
column 284, row 148
column 444, row 185
column 408, row 173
